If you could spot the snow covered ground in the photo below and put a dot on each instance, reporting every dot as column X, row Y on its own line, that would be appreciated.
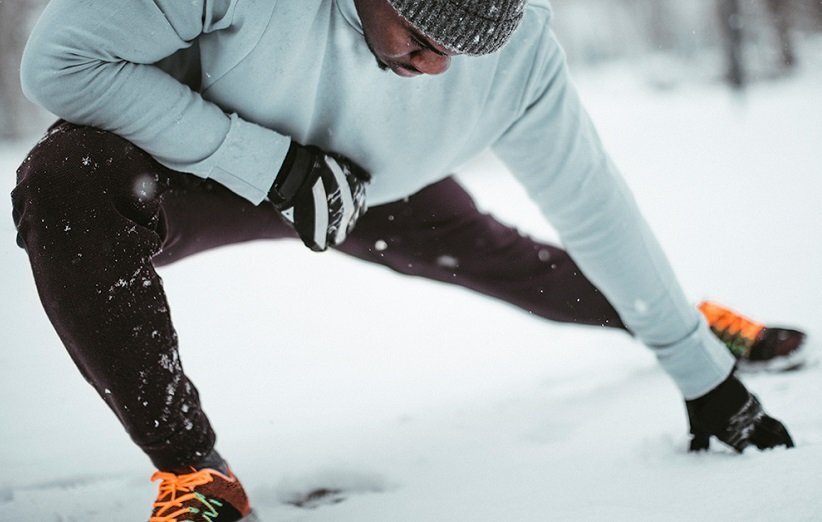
column 441, row 406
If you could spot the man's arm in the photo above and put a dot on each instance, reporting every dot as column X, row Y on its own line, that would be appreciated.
column 90, row 62
column 555, row 152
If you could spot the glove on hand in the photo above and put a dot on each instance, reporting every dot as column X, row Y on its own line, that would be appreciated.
column 321, row 194
column 735, row 417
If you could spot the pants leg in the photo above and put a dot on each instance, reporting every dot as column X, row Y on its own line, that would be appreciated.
column 439, row 234
column 94, row 212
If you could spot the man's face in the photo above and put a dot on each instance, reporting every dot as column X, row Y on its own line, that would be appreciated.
column 397, row 45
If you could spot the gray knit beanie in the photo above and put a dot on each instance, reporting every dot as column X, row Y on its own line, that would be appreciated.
column 472, row 27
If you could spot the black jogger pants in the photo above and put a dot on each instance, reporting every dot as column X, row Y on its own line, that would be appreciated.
column 96, row 215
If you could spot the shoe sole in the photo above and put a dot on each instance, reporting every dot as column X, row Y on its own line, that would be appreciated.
column 251, row 517
column 793, row 361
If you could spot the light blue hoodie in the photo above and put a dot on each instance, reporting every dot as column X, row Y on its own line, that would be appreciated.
column 273, row 70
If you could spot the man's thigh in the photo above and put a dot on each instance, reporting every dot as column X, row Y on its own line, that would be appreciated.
column 199, row 215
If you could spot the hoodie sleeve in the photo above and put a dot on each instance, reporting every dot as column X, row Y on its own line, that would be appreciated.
column 91, row 63
column 554, row 151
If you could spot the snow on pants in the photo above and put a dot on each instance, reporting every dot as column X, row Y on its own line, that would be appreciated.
column 96, row 215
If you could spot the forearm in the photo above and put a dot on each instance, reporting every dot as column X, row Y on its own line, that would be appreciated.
column 604, row 231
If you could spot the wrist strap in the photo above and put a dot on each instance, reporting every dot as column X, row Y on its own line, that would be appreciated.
column 297, row 165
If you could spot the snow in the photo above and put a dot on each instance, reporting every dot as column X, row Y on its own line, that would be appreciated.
column 422, row 402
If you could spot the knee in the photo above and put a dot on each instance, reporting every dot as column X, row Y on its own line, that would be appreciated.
column 72, row 159
column 82, row 174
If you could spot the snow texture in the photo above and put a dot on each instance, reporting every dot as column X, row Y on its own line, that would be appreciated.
column 426, row 403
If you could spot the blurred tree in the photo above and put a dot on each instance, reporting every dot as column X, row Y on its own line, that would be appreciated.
column 730, row 22
column 739, row 26
column 10, row 21
column 15, row 21
column 754, row 38
column 780, row 15
column 662, row 31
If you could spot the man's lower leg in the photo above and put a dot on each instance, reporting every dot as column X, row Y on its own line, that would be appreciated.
column 88, row 211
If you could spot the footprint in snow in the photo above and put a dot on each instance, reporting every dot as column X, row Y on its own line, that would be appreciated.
column 329, row 487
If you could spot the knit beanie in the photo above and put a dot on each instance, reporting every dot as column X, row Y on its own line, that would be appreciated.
column 472, row 27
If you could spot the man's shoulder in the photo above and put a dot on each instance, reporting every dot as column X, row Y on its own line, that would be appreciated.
column 538, row 15
column 541, row 8
column 533, row 31
column 527, row 54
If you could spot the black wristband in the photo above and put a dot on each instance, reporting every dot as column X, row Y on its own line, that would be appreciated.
column 296, row 167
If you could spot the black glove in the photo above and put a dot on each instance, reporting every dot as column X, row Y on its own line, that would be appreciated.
column 733, row 415
column 321, row 194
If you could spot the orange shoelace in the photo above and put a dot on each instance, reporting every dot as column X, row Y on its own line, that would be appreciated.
column 176, row 490
column 730, row 326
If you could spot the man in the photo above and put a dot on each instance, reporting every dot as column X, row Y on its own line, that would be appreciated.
column 298, row 109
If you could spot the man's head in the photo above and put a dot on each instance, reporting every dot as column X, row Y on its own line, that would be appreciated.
column 413, row 37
